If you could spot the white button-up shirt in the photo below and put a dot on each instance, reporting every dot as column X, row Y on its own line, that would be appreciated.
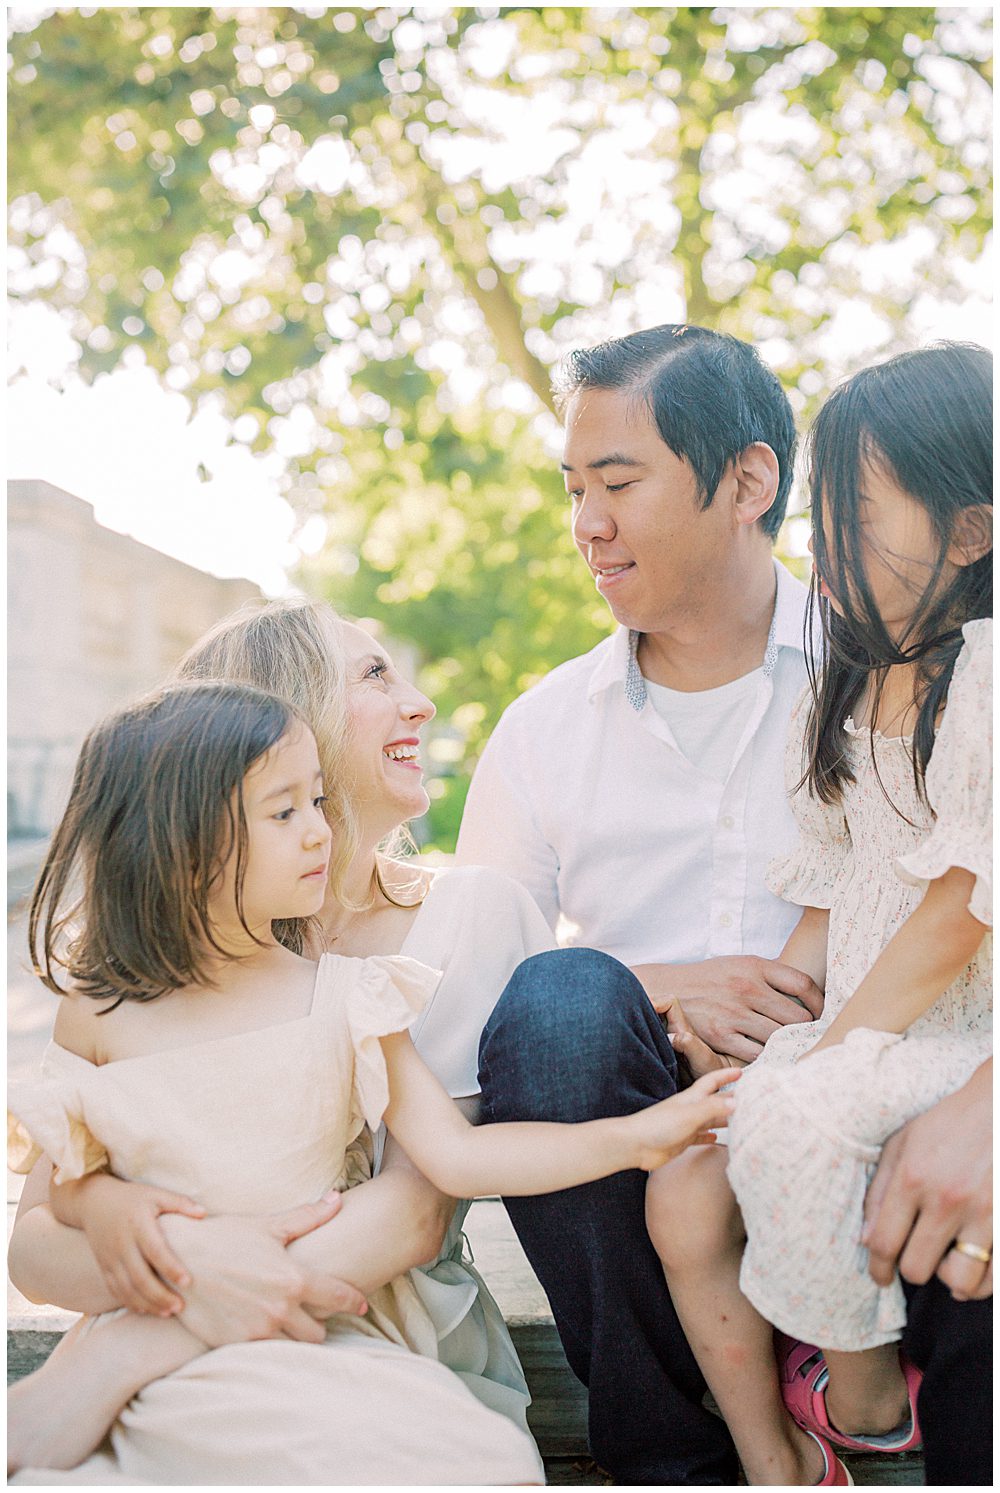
column 584, row 797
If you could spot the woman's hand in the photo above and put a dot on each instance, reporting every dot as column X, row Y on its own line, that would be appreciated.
column 121, row 1224
column 245, row 1285
column 689, row 1118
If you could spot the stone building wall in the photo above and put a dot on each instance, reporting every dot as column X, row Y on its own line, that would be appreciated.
column 94, row 618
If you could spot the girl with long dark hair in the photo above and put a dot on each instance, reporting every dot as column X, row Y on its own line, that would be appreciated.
column 890, row 775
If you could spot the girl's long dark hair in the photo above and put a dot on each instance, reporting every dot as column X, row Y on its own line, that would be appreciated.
column 926, row 419
column 155, row 810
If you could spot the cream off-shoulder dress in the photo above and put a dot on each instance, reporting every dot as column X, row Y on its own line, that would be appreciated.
column 805, row 1136
column 255, row 1123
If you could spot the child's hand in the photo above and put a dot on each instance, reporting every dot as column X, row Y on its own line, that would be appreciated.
column 696, row 1056
column 119, row 1220
column 689, row 1118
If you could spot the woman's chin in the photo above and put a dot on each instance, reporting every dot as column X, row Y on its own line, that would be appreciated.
column 417, row 804
column 394, row 811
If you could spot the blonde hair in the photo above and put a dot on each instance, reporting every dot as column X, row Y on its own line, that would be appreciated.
column 292, row 649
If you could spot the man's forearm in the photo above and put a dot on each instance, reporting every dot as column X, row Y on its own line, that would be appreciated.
column 384, row 1227
column 50, row 1262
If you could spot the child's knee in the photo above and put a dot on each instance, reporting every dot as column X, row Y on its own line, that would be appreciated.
column 691, row 1214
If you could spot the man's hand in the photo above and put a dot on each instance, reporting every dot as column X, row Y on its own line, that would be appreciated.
column 933, row 1186
column 695, row 1057
column 245, row 1285
column 735, row 1002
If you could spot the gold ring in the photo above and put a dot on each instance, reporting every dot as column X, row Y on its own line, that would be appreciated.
column 973, row 1251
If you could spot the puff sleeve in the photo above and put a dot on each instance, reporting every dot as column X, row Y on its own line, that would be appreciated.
column 385, row 995
column 960, row 779
column 809, row 874
column 47, row 1118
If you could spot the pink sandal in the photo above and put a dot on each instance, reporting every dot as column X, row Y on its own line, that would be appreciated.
column 835, row 1474
column 802, row 1373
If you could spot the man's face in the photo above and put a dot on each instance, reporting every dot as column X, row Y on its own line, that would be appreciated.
column 638, row 520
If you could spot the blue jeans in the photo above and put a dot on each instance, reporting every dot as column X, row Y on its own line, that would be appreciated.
column 574, row 1037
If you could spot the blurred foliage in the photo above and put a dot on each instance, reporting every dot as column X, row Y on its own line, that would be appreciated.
column 372, row 233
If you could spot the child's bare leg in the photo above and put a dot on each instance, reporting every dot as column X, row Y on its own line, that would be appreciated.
column 61, row 1412
column 866, row 1391
column 696, row 1227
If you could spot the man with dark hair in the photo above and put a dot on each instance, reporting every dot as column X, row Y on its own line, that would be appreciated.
column 638, row 793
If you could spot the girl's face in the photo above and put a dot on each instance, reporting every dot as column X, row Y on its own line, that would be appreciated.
column 900, row 547
column 288, row 838
column 382, row 760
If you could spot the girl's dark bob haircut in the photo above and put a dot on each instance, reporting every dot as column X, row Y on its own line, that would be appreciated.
column 925, row 419
column 155, row 811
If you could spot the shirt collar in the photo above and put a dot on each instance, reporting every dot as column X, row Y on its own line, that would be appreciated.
column 619, row 662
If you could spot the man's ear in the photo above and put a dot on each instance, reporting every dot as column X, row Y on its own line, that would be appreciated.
column 757, row 475
column 973, row 534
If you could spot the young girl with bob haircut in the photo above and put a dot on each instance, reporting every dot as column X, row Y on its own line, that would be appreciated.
column 195, row 1052
column 889, row 769
column 472, row 923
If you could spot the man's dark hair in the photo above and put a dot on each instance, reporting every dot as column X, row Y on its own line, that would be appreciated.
column 709, row 395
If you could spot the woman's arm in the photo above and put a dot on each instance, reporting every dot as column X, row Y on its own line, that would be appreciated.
column 50, row 1262
column 384, row 1227
column 920, row 961
column 250, row 1276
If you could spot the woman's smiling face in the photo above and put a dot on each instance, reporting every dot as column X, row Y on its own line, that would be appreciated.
column 386, row 713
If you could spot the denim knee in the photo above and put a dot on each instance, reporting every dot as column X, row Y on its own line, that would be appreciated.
column 568, row 1038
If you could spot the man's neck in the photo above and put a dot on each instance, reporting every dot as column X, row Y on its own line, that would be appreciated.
column 723, row 639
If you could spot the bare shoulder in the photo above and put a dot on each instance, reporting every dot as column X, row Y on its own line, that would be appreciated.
column 77, row 1027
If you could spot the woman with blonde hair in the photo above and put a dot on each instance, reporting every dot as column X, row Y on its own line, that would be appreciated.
column 236, row 1278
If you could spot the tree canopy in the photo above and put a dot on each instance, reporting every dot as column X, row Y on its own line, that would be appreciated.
column 372, row 234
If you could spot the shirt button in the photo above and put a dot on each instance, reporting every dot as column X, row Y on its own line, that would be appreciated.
column 726, row 920
column 727, row 821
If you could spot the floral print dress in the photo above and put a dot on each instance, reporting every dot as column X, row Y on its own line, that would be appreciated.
column 805, row 1137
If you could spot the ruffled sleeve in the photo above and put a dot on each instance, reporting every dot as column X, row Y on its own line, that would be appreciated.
column 809, row 874
column 384, row 995
column 46, row 1118
column 960, row 779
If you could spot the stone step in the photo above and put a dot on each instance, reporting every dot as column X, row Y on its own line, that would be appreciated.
column 558, row 1413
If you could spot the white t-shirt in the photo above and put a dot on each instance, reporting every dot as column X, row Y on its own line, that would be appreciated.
column 584, row 796
column 707, row 724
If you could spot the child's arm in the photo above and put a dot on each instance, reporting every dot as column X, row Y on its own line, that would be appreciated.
column 920, row 961
column 528, row 1158
column 806, row 946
